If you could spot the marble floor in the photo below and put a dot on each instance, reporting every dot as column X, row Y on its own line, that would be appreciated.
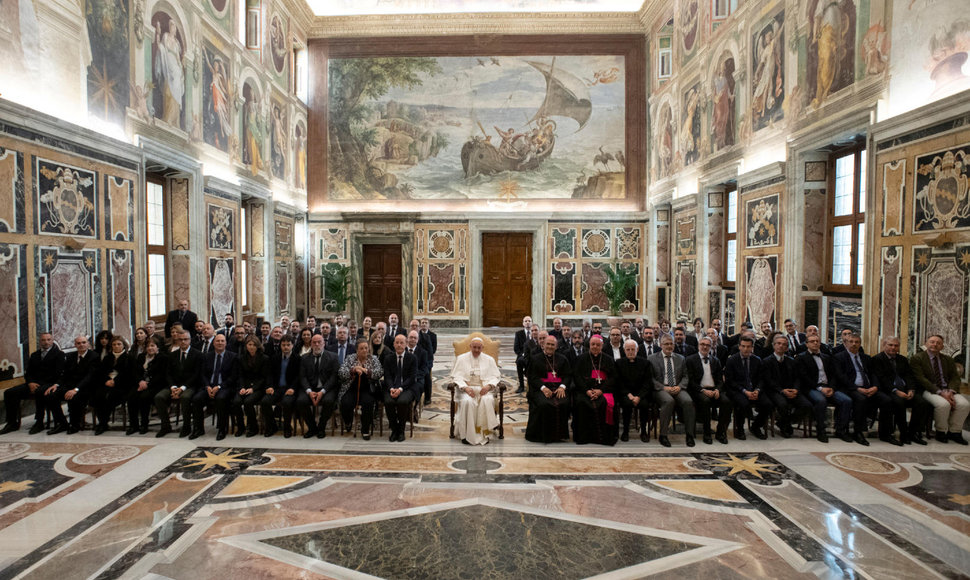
column 139, row 507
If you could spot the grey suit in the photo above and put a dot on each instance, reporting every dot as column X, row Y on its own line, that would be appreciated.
column 665, row 400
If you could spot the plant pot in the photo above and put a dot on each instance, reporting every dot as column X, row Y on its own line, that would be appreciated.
column 616, row 321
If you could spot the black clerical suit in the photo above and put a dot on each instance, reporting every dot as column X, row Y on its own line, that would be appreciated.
column 223, row 374
column 318, row 373
column 79, row 373
column 44, row 370
column 592, row 421
column 634, row 378
column 401, row 371
column 548, row 415
column 702, row 402
column 184, row 373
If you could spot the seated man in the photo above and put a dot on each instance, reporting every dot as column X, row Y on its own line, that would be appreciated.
column 718, row 351
column 681, row 346
column 614, row 348
column 418, row 347
column 595, row 411
column 707, row 389
column 44, row 369
column 284, row 376
column 779, row 382
column 476, row 374
column 856, row 379
column 74, row 386
column 318, row 387
column 184, row 380
column 219, row 375
column 634, row 387
column 742, row 378
column 897, row 380
column 937, row 373
column 817, row 374
column 401, row 385
column 550, row 378
column 670, row 382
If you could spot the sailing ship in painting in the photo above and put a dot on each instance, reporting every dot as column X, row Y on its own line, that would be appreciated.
column 566, row 96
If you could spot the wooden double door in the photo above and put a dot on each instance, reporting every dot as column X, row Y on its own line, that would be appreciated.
column 382, row 283
column 506, row 278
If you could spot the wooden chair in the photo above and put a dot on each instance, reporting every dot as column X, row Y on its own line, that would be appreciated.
column 491, row 348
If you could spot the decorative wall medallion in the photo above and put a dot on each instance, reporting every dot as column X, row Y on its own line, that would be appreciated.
column 220, row 227
column 67, row 200
column 942, row 201
column 441, row 245
column 596, row 243
column 763, row 221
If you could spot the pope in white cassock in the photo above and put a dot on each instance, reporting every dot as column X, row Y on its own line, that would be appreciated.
column 477, row 376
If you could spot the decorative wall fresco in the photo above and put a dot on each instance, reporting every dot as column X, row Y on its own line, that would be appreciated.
column 690, row 15
column 715, row 247
column 221, row 227
column 220, row 11
column 222, row 289
column 13, row 205
column 253, row 129
column 724, row 104
column 942, row 199
column 891, row 287
column 14, row 315
column 664, row 145
column 121, row 293
column 279, row 140
column 763, row 221
column 690, row 123
column 299, row 146
column 893, row 193
column 760, row 289
column 168, row 69
column 768, row 71
column 68, row 284
column 66, row 200
column 120, row 218
column 278, row 52
column 218, row 96
column 107, row 73
column 831, row 47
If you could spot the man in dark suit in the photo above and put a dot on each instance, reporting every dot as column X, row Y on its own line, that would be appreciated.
column 272, row 345
column 181, row 315
column 341, row 346
column 184, row 380
column 44, row 369
column 576, row 349
column 219, row 377
column 203, row 340
column 780, row 383
column 718, row 351
column 634, row 387
column 681, row 346
column 732, row 341
column 423, row 364
column 897, row 380
column 282, row 388
column 614, row 346
column 626, row 333
column 318, row 387
column 719, row 337
column 75, row 385
column 819, row 381
column 706, row 388
column 810, row 331
column 649, row 345
column 742, row 379
column 237, row 342
column 795, row 339
column 326, row 331
column 400, row 375
column 394, row 329
column 670, row 384
column 430, row 340
column 938, row 375
column 844, row 334
column 853, row 369
column 522, row 338
column 229, row 322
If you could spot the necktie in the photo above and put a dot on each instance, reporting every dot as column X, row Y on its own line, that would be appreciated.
column 861, row 371
column 747, row 374
column 669, row 371
column 43, row 354
column 180, row 315
column 181, row 356
column 217, row 373
column 400, row 366
column 342, row 351
column 705, row 360
column 792, row 342
column 939, row 372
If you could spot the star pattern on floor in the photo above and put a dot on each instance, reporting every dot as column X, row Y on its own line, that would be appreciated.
column 14, row 486
column 749, row 465
column 960, row 499
column 225, row 460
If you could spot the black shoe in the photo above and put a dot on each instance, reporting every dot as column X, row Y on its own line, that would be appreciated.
column 759, row 432
column 252, row 433
column 220, row 435
column 958, row 438
column 400, row 435
column 625, row 436
column 100, row 429
column 644, row 436
column 465, row 441
column 163, row 432
column 58, row 428
column 393, row 437
column 310, row 433
column 918, row 439
column 520, row 390
column 721, row 438
column 71, row 429
column 185, row 432
column 10, row 428
column 664, row 441
column 787, row 432
column 130, row 430
column 845, row 437
column 37, row 428
column 907, row 440
column 891, row 440
column 739, row 434
column 143, row 430
column 942, row 437
column 365, row 436
column 196, row 435
column 822, row 437
column 287, row 433
column 690, row 440
column 427, row 401
column 861, row 439
column 708, row 440
column 322, row 433
column 270, row 432
column 240, row 431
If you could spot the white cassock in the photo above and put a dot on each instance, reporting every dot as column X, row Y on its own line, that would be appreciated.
column 476, row 415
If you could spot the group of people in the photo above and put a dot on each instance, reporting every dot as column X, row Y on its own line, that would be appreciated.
column 598, row 377
column 284, row 371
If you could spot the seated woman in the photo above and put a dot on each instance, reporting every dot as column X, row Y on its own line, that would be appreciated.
column 148, row 374
column 253, row 377
column 112, row 386
column 360, row 378
column 378, row 347
column 476, row 374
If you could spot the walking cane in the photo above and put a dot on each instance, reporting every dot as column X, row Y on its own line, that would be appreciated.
column 355, row 422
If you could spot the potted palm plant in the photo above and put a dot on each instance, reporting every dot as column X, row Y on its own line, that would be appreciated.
column 621, row 280
column 338, row 287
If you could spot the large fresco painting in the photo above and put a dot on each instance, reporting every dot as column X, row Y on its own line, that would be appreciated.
column 477, row 128
column 831, row 47
column 768, row 64
column 107, row 75
column 218, row 95
column 168, row 70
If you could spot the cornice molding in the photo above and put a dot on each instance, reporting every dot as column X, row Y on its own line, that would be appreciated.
column 477, row 23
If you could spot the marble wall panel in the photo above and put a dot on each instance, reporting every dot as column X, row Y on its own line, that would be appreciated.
column 221, row 227
column 282, row 288
column 121, row 293
column 284, row 237
column 594, row 279
column 628, row 242
column 66, row 199
column 713, row 306
column 181, row 277
column 333, row 243
column 842, row 313
column 943, row 302
column 222, row 289
column 941, row 200
column 761, row 289
column 893, row 191
column 71, row 291
column 257, row 231
column 299, row 285
column 813, row 256
column 257, row 283
column 180, row 214
column 812, row 310
column 596, row 243
column 441, row 244
column 13, row 217
column 563, row 291
column 441, row 288
column 663, row 253
column 120, row 218
column 891, row 286
column 421, row 301
column 14, row 348
column 762, row 219
column 715, row 248
column 684, row 294
column 686, row 234
column 563, row 242
column 729, row 324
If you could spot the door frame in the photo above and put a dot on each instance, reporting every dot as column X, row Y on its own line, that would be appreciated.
column 539, row 230
column 406, row 240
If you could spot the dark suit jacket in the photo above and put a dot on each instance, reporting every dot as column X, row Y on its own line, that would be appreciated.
column 685, row 350
column 229, row 371
column 720, row 352
column 407, row 378
column 423, row 362
column 121, row 365
column 656, row 348
column 80, row 372
column 389, row 337
column 882, row 365
column 582, row 374
column 615, row 354
column 808, row 374
column 156, row 373
column 734, row 373
column 47, row 371
column 187, row 322
column 801, row 339
column 429, row 342
column 327, row 374
column 334, row 348
column 691, row 340
column 518, row 346
column 926, row 376
column 187, row 373
column 845, row 371
column 253, row 372
column 292, row 377
column 634, row 377
column 776, row 376
column 695, row 372
column 841, row 348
